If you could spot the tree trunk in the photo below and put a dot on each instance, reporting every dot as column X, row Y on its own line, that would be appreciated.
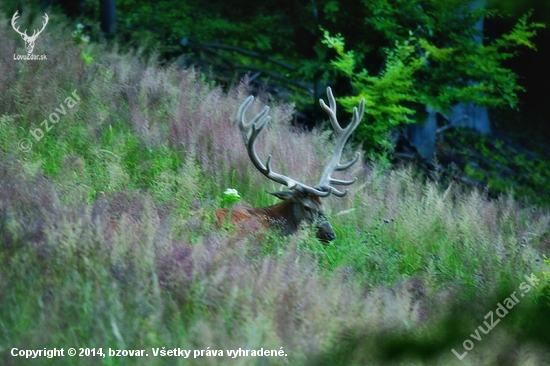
column 422, row 136
column 107, row 17
column 471, row 115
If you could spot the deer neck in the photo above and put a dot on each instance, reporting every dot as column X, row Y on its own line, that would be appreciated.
column 283, row 215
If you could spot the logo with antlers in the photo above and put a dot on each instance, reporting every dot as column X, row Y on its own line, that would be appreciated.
column 29, row 40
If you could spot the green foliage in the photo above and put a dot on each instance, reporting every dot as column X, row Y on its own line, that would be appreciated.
column 87, row 58
column 271, row 29
column 433, row 58
column 230, row 196
column 470, row 71
column 543, row 285
column 79, row 36
column 386, row 95
column 501, row 166
column 385, row 40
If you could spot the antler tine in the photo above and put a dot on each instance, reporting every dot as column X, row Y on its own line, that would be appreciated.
column 43, row 24
column 331, row 111
column 248, row 128
column 343, row 134
column 250, row 132
column 15, row 16
column 36, row 32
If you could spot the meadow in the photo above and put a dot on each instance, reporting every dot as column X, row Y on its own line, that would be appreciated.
column 107, row 236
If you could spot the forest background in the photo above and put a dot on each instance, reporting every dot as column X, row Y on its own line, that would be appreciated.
column 464, row 82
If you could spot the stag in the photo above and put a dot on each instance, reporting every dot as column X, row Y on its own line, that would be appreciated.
column 29, row 41
column 302, row 203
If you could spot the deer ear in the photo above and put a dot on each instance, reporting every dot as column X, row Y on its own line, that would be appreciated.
column 284, row 195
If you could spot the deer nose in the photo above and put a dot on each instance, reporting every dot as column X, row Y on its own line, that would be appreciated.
column 330, row 236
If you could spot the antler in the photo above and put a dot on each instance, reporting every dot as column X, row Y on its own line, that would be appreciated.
column 250, row 132
column 43, row 26
column 343, row 134
column 34, row 35
column 15, row 16
column 252, row 129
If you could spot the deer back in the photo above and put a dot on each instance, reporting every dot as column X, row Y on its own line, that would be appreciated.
column 297, row 207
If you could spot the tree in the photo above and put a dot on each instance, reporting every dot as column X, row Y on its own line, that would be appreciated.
column 272, row 40
column 279, row 41
column 457, row 67
column 423, row 135
column 107, row 17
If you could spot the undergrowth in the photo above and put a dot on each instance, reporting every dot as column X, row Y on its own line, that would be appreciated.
column 107, row 236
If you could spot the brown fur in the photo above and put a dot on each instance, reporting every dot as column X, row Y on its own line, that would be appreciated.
column 243, row 213
column 238, row 215
column 285, row 216
column 244, row 218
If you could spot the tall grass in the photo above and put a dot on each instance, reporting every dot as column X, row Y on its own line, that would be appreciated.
column 106, row 235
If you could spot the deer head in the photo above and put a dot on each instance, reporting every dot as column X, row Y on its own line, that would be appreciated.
column 302, row 202
column 29, row 41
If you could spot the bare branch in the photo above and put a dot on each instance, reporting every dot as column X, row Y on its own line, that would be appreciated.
column 249, row 53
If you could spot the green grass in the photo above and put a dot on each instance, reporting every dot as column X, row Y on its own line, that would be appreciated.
column 107, row 235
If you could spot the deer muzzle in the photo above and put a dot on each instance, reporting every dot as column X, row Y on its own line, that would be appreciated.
column 325, row 233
